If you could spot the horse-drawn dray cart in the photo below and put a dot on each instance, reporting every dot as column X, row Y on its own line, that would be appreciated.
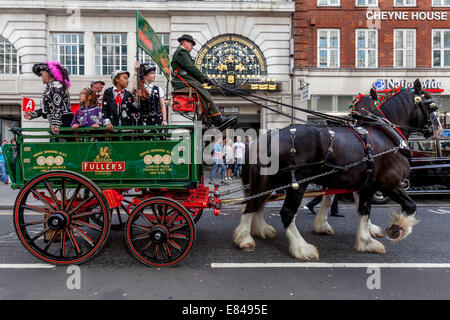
column 70, row 184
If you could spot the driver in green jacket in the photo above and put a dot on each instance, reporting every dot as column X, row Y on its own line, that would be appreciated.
column 186, row 74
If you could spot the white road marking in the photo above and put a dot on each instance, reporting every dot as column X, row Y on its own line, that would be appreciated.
column 329, row 265
column 26, row 266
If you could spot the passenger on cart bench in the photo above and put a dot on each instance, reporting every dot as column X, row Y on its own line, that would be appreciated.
column 186, row 74
column 118, row 106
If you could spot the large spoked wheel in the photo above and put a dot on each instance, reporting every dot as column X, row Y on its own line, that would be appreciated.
column 160, row 232
column 51, row 217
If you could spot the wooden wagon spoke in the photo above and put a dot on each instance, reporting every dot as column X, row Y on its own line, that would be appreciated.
column 74, row 195
column 141, row 227
column 82, row 235
column 141, row 236
column 40, row 234
column 74, row 242
column 34, row 223
column 81, row 223
column 52, row 239
column 175, row 245
column 52, row 194
column 62, row 248
column 85, row 214
column 35, row 209
column 178, row 226
column 141, row 214
column 63, row 193
column 82, row 204
column 145, row 247
column 179, row 236
column 166, row 249
column 43, row 200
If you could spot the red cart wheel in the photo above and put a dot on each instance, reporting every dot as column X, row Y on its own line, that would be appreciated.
column 160, row 232
column 51, row 217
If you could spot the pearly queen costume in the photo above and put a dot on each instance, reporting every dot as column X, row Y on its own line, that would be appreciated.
column 55, row 99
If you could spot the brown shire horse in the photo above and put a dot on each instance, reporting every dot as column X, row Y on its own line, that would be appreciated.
column 311, row 150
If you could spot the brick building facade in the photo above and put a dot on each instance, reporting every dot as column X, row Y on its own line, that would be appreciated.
column 343, row 47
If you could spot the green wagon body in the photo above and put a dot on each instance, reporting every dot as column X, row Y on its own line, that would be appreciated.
column 172, row 163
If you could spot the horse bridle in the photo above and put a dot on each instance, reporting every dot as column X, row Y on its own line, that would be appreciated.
column 429, row 108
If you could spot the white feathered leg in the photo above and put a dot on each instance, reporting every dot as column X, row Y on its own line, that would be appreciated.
column 242, row 236
column 320, row 223
column 298, row 247
column 364, row 241
column 260, row 228
column 375, row 231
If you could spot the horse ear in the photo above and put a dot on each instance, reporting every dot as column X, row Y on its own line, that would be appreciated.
column 418, row 86
column 374, row 94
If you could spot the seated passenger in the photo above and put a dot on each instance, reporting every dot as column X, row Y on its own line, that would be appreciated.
column 152, row 102
column 89, row 114
column 118, row 106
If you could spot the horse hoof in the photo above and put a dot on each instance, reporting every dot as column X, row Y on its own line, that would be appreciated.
column 324, row 229
column 370, row 245
column 266, row 232
column 247, row 244
column 394, row 233
column 307, row 252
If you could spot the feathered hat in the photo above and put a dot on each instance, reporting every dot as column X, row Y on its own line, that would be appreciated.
column 56, row 70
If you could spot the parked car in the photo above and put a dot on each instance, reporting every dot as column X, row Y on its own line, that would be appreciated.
column 430, row 168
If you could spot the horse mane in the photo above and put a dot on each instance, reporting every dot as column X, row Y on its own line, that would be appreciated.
column 389, row 102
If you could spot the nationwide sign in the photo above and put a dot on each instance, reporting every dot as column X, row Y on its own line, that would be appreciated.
column 148, row 40
column 430, row 85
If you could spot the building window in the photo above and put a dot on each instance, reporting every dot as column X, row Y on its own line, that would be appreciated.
column 404, row 48
column 404, row 3
column 441, row 3
column 343, row 102
column 330, row 3
column 68, row 49
column 328, row 48
column 9, row 58
column 441, row 48
column 366, row 48
column 110, row 53
column 145, row 58
column 366, row 3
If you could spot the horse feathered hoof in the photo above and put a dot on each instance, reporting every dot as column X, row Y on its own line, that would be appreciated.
column 401, row 226
column 370, row 245
column 247, row 244
column 261, row 229
column 306, row 252
column 323, row 228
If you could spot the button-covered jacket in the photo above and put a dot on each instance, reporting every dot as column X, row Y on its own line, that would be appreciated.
column 55, row 104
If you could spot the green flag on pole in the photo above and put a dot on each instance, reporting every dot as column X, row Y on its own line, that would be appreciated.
column 148, row 40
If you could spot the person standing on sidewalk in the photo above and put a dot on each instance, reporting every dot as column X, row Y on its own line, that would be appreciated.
column 217, row 160
column 4, row 176
column 239, row 153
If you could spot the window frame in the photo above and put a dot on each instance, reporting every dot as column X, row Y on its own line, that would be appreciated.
column 366, row 4
column 442, row 49
column 122, row 65
column 12, row 53
column 366, row 48
column 442, row 5
column 405, row 5
column 57, row 56
column 328, row 4
column 404, row 49
column 328, row 49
